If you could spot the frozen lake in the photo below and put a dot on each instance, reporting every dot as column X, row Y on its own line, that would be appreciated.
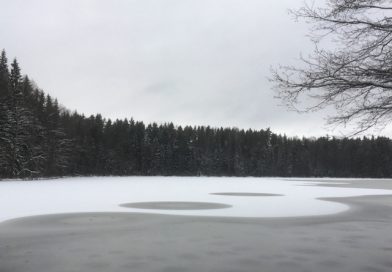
column 191, row 196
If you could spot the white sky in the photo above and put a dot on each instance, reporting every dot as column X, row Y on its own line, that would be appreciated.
column 192, row 62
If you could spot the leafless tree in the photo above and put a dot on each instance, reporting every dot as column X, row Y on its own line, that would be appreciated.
column 355, row 76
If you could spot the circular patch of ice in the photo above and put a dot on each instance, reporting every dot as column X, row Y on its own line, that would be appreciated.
column 245, row 194
column 174, row 205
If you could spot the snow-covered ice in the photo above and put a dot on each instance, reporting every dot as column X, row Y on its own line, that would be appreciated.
column 106, row 194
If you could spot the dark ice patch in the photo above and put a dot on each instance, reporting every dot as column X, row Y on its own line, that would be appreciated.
column 175, row 205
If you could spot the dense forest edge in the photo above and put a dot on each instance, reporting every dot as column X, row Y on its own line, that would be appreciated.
column 39, row 138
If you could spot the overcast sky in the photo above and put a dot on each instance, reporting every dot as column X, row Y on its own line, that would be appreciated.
column 192, row 62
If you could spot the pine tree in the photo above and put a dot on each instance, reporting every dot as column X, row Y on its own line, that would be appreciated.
column 57, row 145
column 23, row 156
column 4, row 74
column 4, row 114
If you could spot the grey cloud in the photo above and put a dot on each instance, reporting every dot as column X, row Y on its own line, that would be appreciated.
column 187, row 61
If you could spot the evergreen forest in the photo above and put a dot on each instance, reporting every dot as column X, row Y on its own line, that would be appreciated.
column 41, row 138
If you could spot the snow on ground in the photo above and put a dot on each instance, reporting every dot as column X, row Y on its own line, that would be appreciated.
column 106, row 194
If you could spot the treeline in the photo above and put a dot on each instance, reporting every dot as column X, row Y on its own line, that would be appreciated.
column 39, row 138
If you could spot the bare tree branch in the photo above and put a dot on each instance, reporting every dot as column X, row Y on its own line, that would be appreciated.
column 356, row 76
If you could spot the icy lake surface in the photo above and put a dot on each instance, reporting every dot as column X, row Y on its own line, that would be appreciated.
column 229, row 197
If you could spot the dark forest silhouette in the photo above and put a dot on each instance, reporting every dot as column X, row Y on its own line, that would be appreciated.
column 38, row 138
